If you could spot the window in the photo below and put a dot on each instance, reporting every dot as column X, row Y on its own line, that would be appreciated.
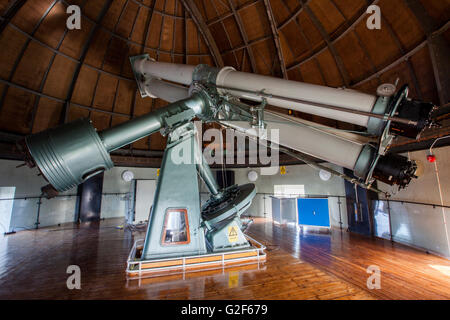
column 6, row 208
column 176, row 227
column 381, row 217
column 289, row 191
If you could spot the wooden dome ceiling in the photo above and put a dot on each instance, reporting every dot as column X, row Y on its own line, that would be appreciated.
column 50, row 75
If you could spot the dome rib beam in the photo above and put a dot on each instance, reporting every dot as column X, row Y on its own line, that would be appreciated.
column 10, row 12
column 244, row 36
column 174, row 35
column 346, row 31
column 24, row 48
column 126, row 60
column 94, row 30
column 62, row 101
column 68, row 57
column 326, row 37
column 276, row 37
column 406, row 56
column 152, row 9
column 249, row 44
column 230, row 14
column 107, row 48
column 142, row 46
column 293, row 16
column 309, row 46
column 195, row 14
column 358, row 38
column 44, row 79
column 411, row 70
column 161, row 29
column 438, row 48
column 226, row 33
column 185, row 35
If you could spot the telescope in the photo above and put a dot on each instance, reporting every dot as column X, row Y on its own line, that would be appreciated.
column 178, row 225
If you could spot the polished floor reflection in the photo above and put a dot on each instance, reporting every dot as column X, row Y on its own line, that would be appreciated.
column 33, row 265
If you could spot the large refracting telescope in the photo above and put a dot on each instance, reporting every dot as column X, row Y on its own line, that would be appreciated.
column 68, row 155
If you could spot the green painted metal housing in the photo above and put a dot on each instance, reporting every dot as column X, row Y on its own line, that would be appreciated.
column 69, row 154
column 72, row 153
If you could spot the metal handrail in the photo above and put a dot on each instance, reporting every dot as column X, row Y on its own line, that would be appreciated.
column 60, row 196
column 130, row 263
column 414, row 202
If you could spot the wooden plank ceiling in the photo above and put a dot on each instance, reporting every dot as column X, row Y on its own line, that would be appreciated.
column 50, row 75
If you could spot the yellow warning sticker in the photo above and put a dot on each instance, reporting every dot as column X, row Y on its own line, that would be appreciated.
column 233, row 234
column 233, row 279
column 283, row 170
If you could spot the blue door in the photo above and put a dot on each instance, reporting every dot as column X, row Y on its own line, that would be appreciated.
column 313, row 212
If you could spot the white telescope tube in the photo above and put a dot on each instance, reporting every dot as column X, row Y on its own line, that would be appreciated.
column 166, row 91
column 331, row 130
column 315, row 110
column 314, row 142
column 349, row 99
column 340, row 150
column 228, row 77
column 179, row 73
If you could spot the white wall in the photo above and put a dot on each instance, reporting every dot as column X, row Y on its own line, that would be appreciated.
column 28, row 184
column 6, row 206
column 116, row 206
column 426, row 188
column 419, row 225
column 61, row 209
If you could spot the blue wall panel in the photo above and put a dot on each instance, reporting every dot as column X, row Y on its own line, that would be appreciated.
column 313, row 212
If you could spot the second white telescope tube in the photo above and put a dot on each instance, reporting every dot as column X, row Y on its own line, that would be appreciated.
column 228, row 78
column 350, row 99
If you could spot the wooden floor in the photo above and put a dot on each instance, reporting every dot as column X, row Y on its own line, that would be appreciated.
column 299, row 266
